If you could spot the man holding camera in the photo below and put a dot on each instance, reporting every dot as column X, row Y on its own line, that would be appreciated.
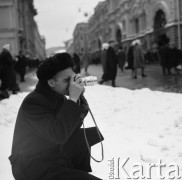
column 48, row 142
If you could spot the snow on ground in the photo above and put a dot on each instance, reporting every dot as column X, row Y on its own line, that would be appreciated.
column 142, row 125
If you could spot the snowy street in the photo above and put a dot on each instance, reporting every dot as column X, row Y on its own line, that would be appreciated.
column 141, row 126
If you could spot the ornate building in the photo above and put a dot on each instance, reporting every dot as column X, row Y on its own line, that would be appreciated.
column 127, row 20
column 80, row 40
column 69, row 46
column 19, row 28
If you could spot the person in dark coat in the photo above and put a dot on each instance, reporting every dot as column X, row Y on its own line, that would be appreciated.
column 121, row 58
column 103, row 55
column 48, row 143
column 111, row 65
column 76, row 61
column 21, row 65
column 8, row 75
column 164, row 55
column 130, row 59
column 139, row 61
column 174, row 58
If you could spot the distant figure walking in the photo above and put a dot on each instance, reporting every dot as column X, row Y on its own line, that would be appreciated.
column 21, row 66
column 85, row 62
column 76, row 61
column 130, row 59
column 111, row 65
column 164, row 54
column 103, row 56
column 8, row 76
column 121, row 58
column 139, row 61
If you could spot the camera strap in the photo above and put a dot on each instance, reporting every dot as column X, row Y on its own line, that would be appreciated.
column 89, row 149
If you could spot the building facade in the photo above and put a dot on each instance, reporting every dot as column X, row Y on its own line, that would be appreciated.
column 127, row 20
column 69, row 46
column 19, row 29
column 80, row 40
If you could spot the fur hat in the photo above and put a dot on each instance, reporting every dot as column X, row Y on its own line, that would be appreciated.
column 7, row 47
column 51, row 66
column 111, row 41
column 138, row 42
column 105, row 46
column 133, row 43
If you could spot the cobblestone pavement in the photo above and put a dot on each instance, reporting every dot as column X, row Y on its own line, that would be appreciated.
column 154, row 80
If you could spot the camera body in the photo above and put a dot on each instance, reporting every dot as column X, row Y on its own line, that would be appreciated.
column 87, row 80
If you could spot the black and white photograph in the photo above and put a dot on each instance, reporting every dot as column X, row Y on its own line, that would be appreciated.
column 90, row 89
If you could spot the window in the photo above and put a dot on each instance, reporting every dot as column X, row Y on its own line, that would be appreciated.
column 136, row 25
column 143, row 21
column 82, row 50
column 124, row 25
column 5, row 18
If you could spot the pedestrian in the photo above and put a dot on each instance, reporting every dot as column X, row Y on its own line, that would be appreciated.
column 174, row 58
column 164, row 55
column 139, row 61
column 130, row 59
column 103, row 55
column 85, row 62
column 121, row 58
column 48, row 142
column 21, row 65
column 76, row 61
column 8, row 75
column 111, row 65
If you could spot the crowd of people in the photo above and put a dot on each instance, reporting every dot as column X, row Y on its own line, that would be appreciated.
column 113, row 55
column 169, row 57
column 12, row 71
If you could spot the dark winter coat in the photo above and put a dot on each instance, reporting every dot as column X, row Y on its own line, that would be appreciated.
column 111, row 65
column 103, row 59
column 130, row 58
column 76, row 60
column 164, row 54
column 21, row 63
column 121, row 57
column 138, row 57
column 21, row 66
column 174, row 57
column 48, row 142
column 8, row 75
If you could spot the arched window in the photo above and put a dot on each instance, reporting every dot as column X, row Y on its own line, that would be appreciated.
column 115, row 4
column 82, row 50
column 144, row 21
column 159, row 20
column 136, row 24
column 124, row 25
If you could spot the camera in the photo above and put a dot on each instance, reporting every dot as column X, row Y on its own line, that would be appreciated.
column 88, row 80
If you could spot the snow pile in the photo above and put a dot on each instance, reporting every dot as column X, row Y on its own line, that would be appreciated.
column 142, row 125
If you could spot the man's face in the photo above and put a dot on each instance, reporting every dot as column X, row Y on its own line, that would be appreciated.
column 61, row 81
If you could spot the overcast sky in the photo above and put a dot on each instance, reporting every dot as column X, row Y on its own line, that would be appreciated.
column 56, row 19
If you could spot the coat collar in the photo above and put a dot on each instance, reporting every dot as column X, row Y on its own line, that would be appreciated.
column 44, row 89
